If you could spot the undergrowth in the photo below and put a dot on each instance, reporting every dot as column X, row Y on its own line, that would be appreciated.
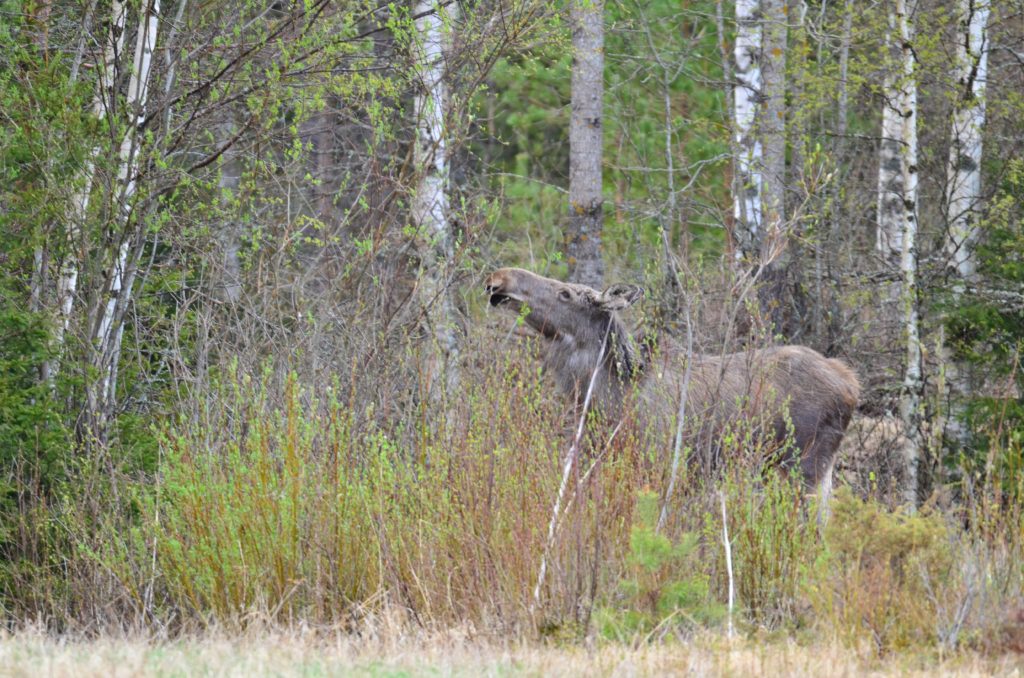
column 292, row 505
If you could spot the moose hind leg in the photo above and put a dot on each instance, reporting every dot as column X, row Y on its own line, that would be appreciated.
column 817, row 465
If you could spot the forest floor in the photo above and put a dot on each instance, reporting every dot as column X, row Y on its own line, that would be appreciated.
column 30, row 654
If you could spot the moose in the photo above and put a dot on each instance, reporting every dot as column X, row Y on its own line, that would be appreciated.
column 794, row 390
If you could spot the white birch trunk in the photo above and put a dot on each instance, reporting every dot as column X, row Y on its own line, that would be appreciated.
column 963, row 174
column 749, row 181
column 430, row 200
column 897, row 224
column 110, row 328
column 67, row 281
column 964, row 169
column 895, row 171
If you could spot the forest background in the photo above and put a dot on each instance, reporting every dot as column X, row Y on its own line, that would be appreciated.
column 247, row 374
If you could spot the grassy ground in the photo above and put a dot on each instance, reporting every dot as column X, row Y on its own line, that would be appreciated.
column 27, row 654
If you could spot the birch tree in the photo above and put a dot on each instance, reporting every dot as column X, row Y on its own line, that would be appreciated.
column 749, row 181
column 897, row 168
column 586, row 125
column 67, row 281
column 897, row 220
column 963, row 178
column 129, row 229
column 964, row 166
column 430, row 211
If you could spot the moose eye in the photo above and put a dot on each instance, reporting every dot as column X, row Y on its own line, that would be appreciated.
column 565, row 295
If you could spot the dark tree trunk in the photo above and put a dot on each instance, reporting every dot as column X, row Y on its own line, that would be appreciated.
column 583, row 229
column 778, row 305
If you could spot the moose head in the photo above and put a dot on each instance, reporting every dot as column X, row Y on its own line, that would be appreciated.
column 586, row 340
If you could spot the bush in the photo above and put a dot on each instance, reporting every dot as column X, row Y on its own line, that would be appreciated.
column 774, row 537
column 985, row 326
column 31, row 429
column 663, row 587
column 886, row 577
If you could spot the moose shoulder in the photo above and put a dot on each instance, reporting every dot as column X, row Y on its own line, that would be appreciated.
column 790, row 388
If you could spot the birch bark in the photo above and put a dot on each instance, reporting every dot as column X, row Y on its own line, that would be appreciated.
column 964, row 167
column 430, row 199
column 67, row 281
column 746, row 92
column 586, row 125
column 897, row 222
column 963, row 176
column 109, row 327
column 897, row 174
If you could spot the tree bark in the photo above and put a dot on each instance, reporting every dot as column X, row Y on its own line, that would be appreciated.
column 773, row 120
column 228, row 284
column 727, row 77
column 964, row 168
column 842, row 111
column 67, row 280
column 963, row 174
column 775, row 294
column 897, row 223
column 109, row 327
column 746, row 93
column 896, row 197
column 430, row 199
column 586, row 124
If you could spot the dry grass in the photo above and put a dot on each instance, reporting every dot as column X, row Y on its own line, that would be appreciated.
column 32, row 654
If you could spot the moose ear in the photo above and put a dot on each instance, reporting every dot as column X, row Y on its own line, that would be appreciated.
column 620, row 296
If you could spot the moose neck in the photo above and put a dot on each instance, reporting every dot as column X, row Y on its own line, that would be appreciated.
column 604, row 351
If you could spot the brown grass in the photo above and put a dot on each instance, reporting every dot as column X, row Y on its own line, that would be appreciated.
column 454, row 653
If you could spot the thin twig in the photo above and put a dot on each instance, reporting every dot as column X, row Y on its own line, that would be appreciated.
column 728, row 561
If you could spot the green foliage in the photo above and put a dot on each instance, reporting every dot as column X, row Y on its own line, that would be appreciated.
column 231, row 524
column 985, row 324
column 774, row 536
column 45, row 132
column 33, row 439
column 528, row 96
column 304, row 507
column 887, row 577
column 275, row 495
column 663, row 585
column 985, row 328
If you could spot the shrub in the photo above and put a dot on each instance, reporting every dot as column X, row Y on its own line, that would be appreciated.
column 884, row 576
column 299, row 509
column 663, row 587
column 32, row 436
column 771, row 525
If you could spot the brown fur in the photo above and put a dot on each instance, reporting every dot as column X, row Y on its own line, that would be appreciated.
column 781, row 385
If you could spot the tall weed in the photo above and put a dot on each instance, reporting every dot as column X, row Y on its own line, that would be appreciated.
column 292, row 511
